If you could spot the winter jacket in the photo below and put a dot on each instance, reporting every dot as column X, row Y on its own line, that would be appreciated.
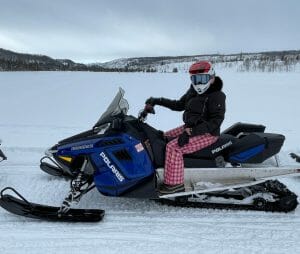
column 204, row 113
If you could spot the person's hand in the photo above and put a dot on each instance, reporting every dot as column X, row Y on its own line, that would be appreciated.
column 149, row 109
column 152, row 101
column 183, row 139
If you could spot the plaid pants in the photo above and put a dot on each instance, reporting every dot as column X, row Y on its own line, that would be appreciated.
column 174, row 167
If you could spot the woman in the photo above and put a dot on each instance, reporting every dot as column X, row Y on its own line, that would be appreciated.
column 204, row 109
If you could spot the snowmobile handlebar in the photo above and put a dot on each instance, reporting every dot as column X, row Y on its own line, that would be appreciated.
column 144, row 113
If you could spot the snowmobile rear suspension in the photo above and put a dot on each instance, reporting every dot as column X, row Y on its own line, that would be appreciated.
column 270, row 195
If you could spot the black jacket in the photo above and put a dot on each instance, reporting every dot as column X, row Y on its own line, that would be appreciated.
column 204, row 113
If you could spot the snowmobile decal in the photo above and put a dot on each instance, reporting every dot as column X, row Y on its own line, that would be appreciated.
column 82, row 147
column 112, row 167
column 219, row 149
column 246, row 155
column 139, row 147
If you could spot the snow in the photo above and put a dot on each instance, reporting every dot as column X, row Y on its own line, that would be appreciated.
column 40, row 108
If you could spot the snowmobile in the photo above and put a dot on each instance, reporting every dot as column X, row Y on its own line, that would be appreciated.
column 122, row 155
column 2, row 155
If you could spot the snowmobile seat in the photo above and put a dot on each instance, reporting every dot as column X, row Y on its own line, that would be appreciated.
column 207, row 156
column 239, row 128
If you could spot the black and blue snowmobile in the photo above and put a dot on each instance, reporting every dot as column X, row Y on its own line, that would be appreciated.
column 124, row 156
column 2, row 155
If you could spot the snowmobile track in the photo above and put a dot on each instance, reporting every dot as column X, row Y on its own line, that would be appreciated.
column 287, row 201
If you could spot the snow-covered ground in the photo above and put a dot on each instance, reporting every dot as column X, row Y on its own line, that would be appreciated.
column 40, row 108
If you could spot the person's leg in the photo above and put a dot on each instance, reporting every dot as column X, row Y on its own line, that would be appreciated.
column 174, row 167
column 174, row 133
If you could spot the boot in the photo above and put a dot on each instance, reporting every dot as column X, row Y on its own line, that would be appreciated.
column 169, row 189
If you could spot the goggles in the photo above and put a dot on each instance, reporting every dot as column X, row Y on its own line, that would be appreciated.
column 202, row 79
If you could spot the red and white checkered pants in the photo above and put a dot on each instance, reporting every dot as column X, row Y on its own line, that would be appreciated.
column 174, row 167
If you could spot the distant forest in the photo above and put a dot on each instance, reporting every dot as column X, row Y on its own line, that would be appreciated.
column 262, row 61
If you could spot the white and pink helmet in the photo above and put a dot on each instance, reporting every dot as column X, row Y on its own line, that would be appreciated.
column 202, row 76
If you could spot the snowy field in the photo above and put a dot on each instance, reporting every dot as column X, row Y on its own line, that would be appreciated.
column 38, row 109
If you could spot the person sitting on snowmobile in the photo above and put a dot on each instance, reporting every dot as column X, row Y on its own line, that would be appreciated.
column 204, row 109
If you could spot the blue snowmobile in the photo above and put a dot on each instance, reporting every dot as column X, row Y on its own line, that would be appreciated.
column 124, row 156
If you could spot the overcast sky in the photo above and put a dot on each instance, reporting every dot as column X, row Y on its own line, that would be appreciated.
column 99, row 30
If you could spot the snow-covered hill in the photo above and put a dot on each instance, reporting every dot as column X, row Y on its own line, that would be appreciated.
column 282, row 61
column 40, row 108
column 263, row 62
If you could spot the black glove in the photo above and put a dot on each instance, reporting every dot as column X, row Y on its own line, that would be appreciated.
column 183, row 139
column 152, row 101
column 149, row 109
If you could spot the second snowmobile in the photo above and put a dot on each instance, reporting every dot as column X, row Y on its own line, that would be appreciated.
column 2, row 155
column 124, row 156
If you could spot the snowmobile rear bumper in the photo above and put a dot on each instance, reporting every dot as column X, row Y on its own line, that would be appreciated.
column 24, row 208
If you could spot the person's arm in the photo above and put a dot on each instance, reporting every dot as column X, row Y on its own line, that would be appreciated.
column 176, row 105
column 216, row 109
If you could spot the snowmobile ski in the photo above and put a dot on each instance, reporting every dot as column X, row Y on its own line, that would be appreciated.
column 20, row 206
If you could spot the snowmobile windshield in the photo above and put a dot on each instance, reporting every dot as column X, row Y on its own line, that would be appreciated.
column 117, row 106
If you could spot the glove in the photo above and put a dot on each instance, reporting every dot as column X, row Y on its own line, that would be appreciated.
column 149, row 109
column 152, row 101
column 183, row 139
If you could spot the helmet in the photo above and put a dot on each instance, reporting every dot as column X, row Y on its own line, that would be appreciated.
column 202, row 76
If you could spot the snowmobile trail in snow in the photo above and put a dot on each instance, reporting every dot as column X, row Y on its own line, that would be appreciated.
column 134, row 226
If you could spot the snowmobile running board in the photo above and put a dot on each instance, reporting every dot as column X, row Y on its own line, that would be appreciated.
column 233, row 175
column 219, row 188
column 25, row 208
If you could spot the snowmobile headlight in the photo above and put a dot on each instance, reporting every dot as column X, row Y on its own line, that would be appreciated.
column 66, row 158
